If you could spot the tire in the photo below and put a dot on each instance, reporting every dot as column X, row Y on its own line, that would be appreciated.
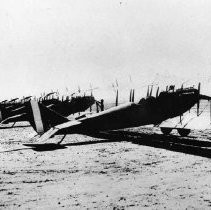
column 183, row 131
column 166, row 131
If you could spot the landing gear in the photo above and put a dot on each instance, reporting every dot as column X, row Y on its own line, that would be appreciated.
column 166, row 131
column 183, row 131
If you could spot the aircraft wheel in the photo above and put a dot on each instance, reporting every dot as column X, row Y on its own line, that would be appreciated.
column 183, row 131
column 166, row 131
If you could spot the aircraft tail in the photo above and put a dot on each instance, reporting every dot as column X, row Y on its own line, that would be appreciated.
column 42, row 118
column 3, row 113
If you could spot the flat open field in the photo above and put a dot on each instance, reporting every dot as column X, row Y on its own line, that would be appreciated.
column 131, row 169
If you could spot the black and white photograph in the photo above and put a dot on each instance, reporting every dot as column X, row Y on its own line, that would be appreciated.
column 105, row 104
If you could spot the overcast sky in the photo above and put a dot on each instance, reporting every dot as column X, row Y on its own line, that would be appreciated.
column 53, row 44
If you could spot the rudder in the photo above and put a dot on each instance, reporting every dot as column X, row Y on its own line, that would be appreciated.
column 43, row 118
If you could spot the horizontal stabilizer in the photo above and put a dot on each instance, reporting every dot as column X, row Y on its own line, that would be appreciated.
column 51, row 132
column 59, row 129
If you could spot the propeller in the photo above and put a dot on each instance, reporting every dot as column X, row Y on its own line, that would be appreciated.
column 91, row 89
column 132, row 91
column 148, row 91
column 198, row 100
column 117, row 93
column 157, row 92
column 130, row 97
column 151, row 91
column 90, row 85
column 133, row 95
column 79, row 89
column 117, row 97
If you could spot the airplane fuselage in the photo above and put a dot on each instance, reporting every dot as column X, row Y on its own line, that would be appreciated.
column 148, row 111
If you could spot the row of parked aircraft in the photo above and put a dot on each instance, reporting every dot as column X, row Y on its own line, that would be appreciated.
column 49, row 115
column 16, row 111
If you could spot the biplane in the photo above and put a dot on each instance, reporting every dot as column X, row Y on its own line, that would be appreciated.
column 65, row 107
column 9, row 108
column 148, row 111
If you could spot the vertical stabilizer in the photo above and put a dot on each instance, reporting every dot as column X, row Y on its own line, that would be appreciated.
column 37, row 117
column 42, row 118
